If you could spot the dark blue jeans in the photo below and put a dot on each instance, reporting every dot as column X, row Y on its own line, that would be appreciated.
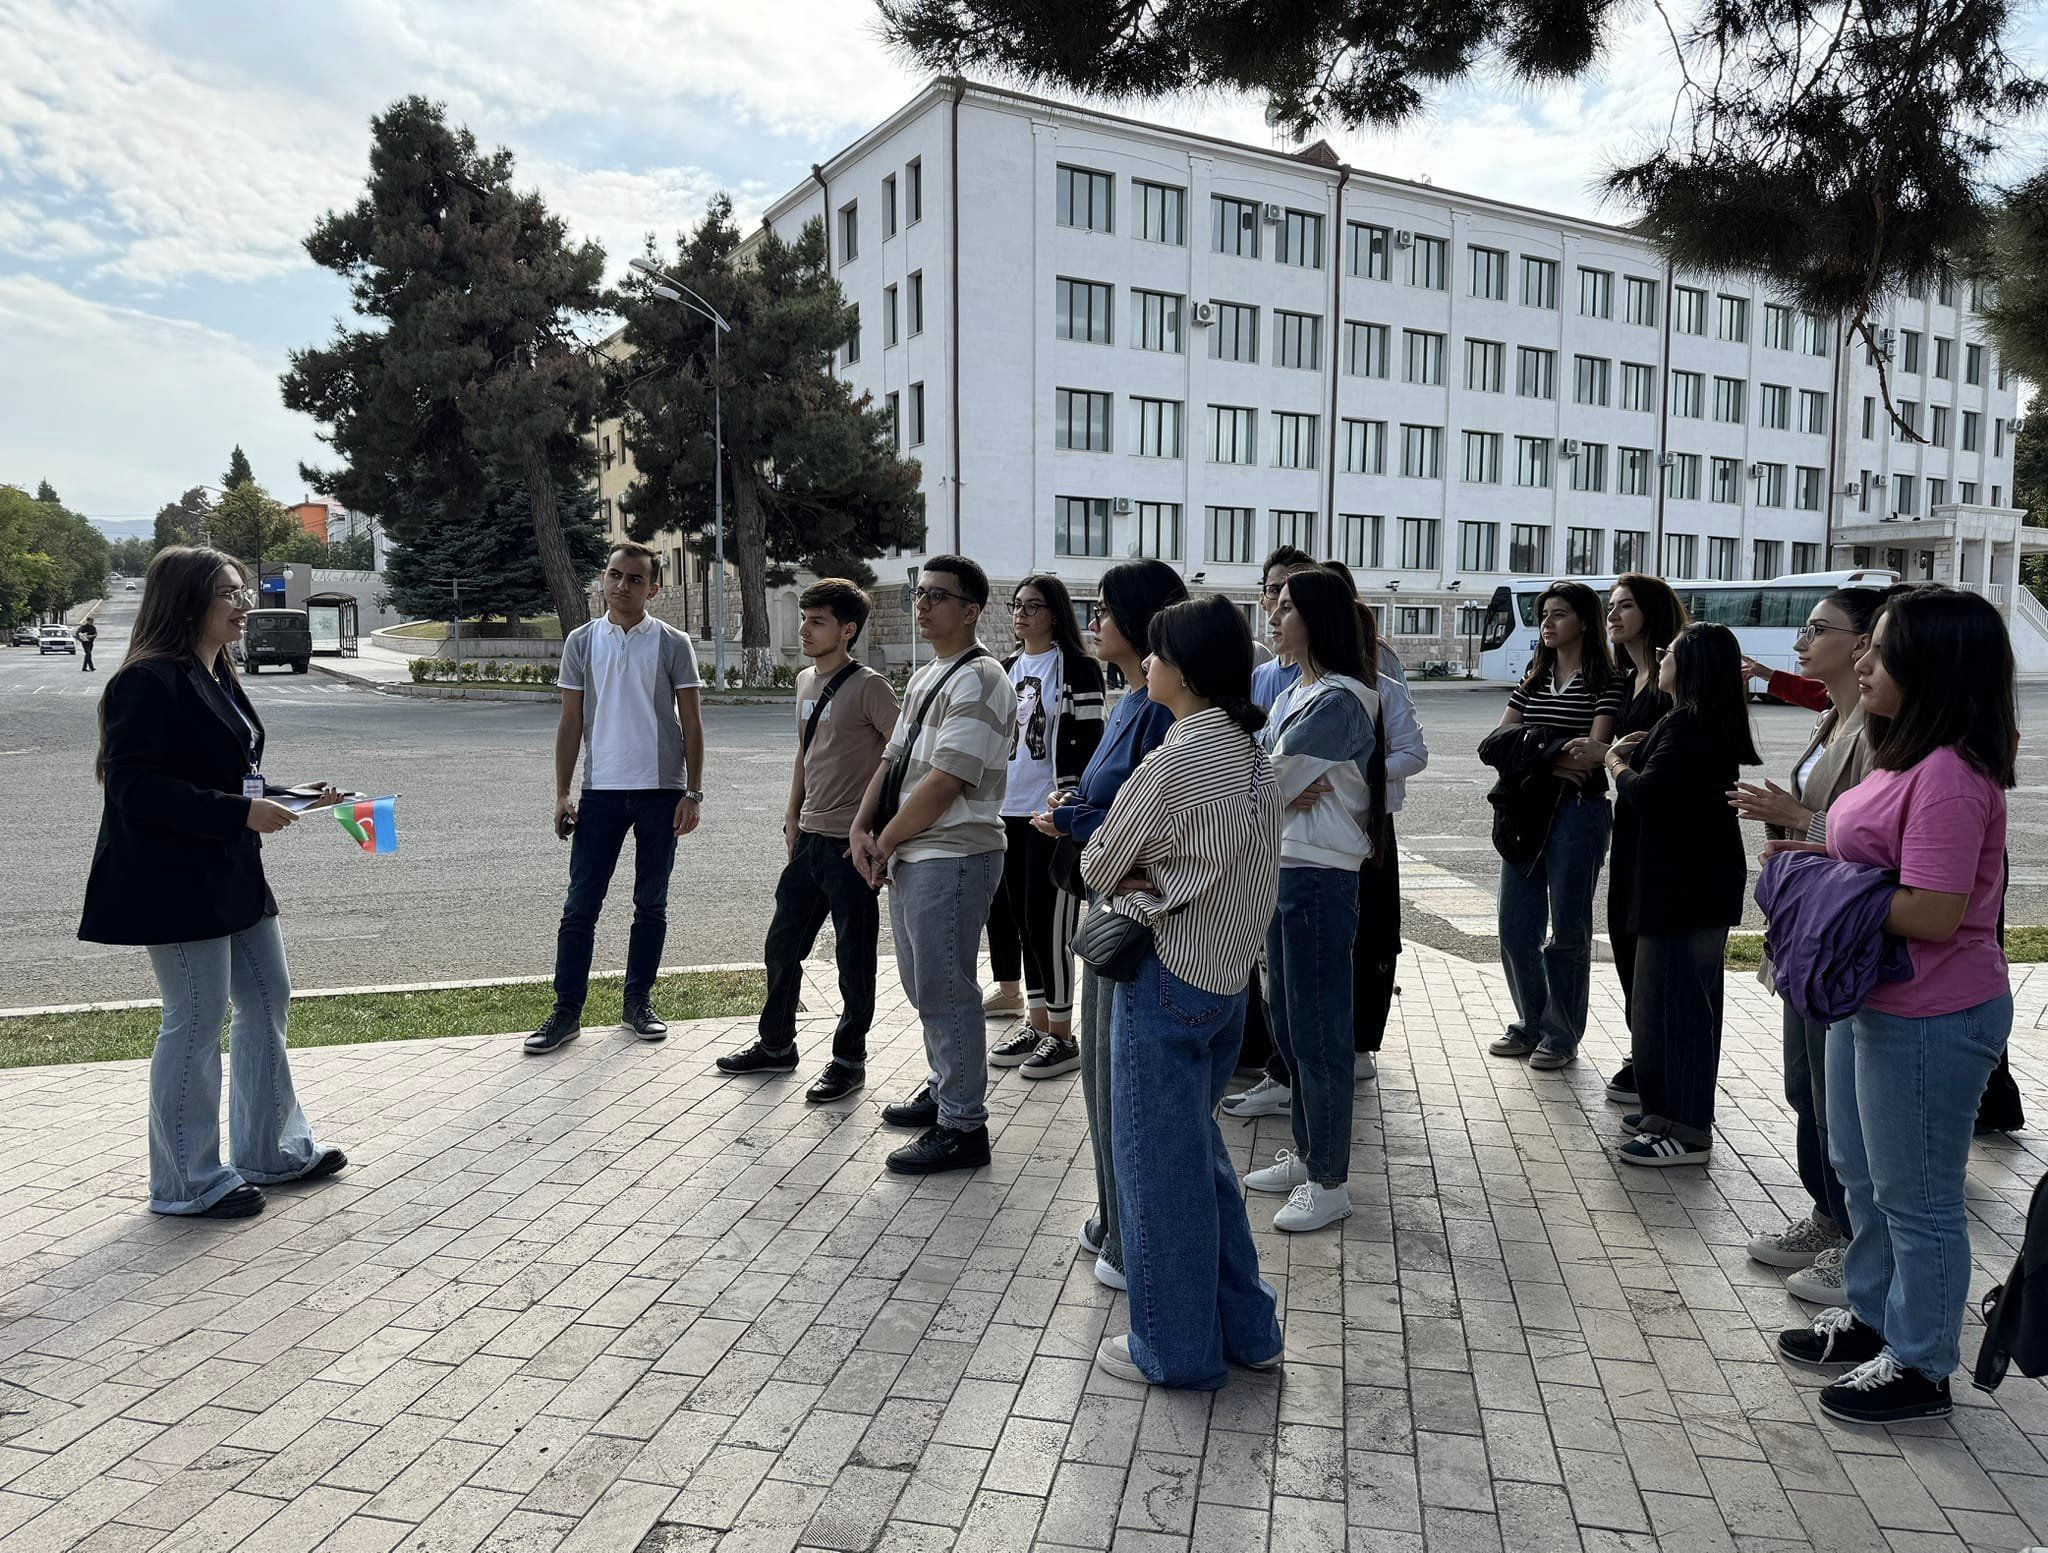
column 1308, row 979
column 820, row 881
column 1197, row 1301
column 1806, row 1081
column 603, row 819
column 1551, row 982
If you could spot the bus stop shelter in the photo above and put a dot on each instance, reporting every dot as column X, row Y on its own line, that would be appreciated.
column 332, row 618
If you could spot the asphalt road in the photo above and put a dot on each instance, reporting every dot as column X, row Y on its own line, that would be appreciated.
column 476, row 886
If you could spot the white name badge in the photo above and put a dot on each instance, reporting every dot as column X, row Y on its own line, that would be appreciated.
column 252, row 785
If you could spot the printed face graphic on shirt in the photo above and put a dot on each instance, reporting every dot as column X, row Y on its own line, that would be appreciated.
column 1031, row 715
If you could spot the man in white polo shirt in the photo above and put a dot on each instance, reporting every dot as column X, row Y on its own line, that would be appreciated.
column 630, row 704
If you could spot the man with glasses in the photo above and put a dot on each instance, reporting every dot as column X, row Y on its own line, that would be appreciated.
column 1275, row 675
column 941, row 851
column 630, row 704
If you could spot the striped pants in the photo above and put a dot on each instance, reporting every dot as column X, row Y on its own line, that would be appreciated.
column 1031, row 924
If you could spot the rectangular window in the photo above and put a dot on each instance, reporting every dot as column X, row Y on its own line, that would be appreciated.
column 1162, row 218
column 1724, row 480
column 1080, row 525
column 1721, row 559
column 1909, row 414
column 1155, row 321
column 1300, row 341
column 1866, row 487
column 1813, row 334
column 1681, row 555
column 1631, row 549
column 1592, row 379
column 1638, row 386
column 1639, row 301
column 1972, row 422
column 1732, row 318
column 1535, row 372
column 1235, row 334
column 1081, row 420
column 1365, row 350
column 1489, row 274
column 889, row 207
column 1596, row 293
column 1422, row 452
column 1973, row 365
column 1295, row 440
column 1805, row 557
column 888, row 316
column 1728, row 400
column 1081, row 309
column 913, row 192
column 1682, row 477
column 1159, row 427
column 1424, row 352
column 1532, row 461
column 1945, row 288
column 1230, row 534
column 1774, row 406
column 1966, row 492
column 1367, row 250
column 1365, row 447
column 1529, row 549
column 1937, row 425
column 1688, row 310
column 1159, row 530
column 1301, row 239
column 1944, row 359
column 1293, row 526
column 1632, row 472
column 1429, row 263
column 1416, row 619
column 1482, row 457
column 1806, row 489
column 1688, row 394
column 1233, row 435
column 1419, row 539
column 1902, row 494
column 853, row 335
column 849, row 232
column 1813, row 411
column 892, row 405
column 1777, row 327
column 916, row 307
column 1234, row 226
column 1937, row 494
column 1485, row 366
column 1770, row 485
column 1909, row 350
column 1767, row 559
column 916, row 414
column 1359, row 538
column 1539, row 282
column 1084, row 202
column 1581, row 551
column 1589, row 467
column 1478, row 547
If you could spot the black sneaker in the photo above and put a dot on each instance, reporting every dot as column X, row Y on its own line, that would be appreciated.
column 1013, row 1049
column 243, row 1202
column 644, row 1022
column 558, row 1029
column 758, row 1058
column 942, row 1148
column 1836, row 1337
column 920, row 1110
column 835, row 1083
column 1884, row 1392
column 1621, row 1089
column 1052, row 1057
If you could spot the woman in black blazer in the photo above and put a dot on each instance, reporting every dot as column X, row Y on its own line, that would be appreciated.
column 179, row 868
column 1687, row 890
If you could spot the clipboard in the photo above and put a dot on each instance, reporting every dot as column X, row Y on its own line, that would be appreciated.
column 301, row 799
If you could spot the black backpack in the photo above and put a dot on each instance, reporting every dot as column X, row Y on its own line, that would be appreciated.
column 2016, row 1311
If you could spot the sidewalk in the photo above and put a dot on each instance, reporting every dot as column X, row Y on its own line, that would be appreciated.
column 612, row 1299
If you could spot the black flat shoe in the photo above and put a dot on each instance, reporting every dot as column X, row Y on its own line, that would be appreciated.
column 644, row 1022
column 942, row 1148
column 330, row 1162
column 920, row 1110
column 558, row 1029
column 758, row 1058
column 835, row 1083
column 244, row 1202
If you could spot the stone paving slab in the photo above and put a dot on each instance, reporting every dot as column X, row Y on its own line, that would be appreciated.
column 612, row 1299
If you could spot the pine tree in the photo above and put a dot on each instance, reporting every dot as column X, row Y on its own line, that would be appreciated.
column 239, row 472
column 489, row 547
column 184, row 521
column 47, row 492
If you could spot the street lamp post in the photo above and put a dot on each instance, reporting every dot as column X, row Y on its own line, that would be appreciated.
column 670, row 289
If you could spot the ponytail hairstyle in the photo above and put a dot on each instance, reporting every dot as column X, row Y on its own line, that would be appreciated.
column 176, row 595
column 1208, row 641
column 1861, row 605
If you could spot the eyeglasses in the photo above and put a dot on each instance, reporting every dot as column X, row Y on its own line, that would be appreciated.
column 1272, row 590
column 1097, row 615
column 939, row 596
column 1028, row 607
column 246, row 597
column 1811, row 629
column 1659, row 654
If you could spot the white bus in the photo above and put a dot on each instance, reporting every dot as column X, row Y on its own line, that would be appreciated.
column 1763, row 615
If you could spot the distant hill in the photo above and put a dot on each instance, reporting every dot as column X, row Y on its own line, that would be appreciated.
column 124, row 528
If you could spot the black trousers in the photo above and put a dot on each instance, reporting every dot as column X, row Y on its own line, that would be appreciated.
column 85, row 646
column 820, row 881
column 1031, row 923
column 1677, row 1034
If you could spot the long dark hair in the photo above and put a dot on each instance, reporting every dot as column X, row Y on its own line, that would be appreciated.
column 1663, row 615
column 1710, row 687
column 1329, row 614
column 1950, row 656
column 176, row 595
column 1208, row 641
column 1066, row 631
column 1596, row 667
column 1859, row 604
column 1132, row 592
column 1368, row 622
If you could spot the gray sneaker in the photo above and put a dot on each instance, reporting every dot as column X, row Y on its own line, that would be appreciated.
column 1821, row 1283
column 1796, row 1245
column 1512, row 1045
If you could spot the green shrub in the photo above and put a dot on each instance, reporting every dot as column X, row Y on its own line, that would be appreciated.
column 783, row 677
column 420, row 668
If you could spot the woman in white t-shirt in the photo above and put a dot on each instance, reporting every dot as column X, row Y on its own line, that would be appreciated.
column 1032, row 920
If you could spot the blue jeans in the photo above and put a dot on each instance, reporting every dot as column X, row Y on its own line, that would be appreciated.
column 270, row 1138
column 1551, row 982
column 1197, row 1301
column 1308, row 971
column 1806, row 1087
column 1902, row 1102
column 604, row 817
column 936, row 909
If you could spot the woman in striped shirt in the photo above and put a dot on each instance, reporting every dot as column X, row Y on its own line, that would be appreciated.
column 1190, row 847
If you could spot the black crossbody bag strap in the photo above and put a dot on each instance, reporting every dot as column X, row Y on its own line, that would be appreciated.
column 824, row 698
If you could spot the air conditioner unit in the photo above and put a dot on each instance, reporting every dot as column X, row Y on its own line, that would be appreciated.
column 1274, row 214
column 2012, row 428
column 1665, row 460
column 1202, row 313
column 1885, row 338
column 1404, row 239
column 1756, row 471
column 1853, row 488
column 1120, row 505
column 1570, row 446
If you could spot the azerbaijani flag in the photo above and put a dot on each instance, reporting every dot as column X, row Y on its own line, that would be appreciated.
column 373, row 822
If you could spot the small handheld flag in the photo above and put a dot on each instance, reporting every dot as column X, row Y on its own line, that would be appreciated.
column 373, row 823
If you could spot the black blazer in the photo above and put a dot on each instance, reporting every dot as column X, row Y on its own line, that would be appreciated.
column 176, row 860
column 1689, row 867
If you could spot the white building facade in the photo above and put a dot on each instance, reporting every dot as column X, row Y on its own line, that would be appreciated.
column 1103, row 338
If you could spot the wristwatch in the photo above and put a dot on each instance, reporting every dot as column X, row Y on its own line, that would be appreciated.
column 694, row 794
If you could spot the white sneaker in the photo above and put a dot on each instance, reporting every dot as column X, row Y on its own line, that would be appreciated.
column 1283, row 1175
column 1313, row 1207
column 1366, row 1069
column 1264, row 1098
column 1108, row 1276
column 1821, row 1282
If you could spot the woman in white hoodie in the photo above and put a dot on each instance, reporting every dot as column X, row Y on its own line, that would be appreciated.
column 1332, row 776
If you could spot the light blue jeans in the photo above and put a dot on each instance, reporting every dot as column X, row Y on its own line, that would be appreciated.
column 267, row 1131
column 1902, row 1102
column 1551, row 982
column 936, row 911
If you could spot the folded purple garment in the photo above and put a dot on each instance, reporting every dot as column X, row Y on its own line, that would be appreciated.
column 1827, row 941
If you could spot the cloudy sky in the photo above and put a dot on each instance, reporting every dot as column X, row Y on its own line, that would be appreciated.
column 161, row 161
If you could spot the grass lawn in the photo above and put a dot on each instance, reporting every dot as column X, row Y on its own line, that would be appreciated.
column 2023, row 946
column 546, row 627
column 387, row 1016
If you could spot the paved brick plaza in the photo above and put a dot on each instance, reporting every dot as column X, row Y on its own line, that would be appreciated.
column 611, row 1299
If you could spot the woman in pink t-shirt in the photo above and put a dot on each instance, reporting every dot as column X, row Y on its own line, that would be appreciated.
column 1905, row 1071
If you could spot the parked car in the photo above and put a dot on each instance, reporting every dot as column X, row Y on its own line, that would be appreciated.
column 22, row 636
column 55, row 639
column 277, row 636
column 133, row 586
